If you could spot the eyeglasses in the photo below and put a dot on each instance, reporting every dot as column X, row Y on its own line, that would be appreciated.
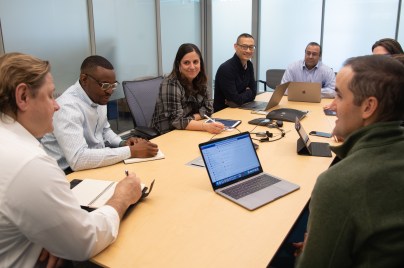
column 245, row 47
column 105, row 86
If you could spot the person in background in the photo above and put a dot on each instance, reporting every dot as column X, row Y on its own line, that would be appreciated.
column 82, row 137
column 387, row 46
column 399, row 57
column 356, row 208
column 313, row 70
column 184, row 98
column 41, row 222
column 235, row 81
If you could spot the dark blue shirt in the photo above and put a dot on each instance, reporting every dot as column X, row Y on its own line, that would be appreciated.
column 231, row 82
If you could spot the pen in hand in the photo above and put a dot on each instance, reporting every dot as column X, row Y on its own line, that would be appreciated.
column 207, row 117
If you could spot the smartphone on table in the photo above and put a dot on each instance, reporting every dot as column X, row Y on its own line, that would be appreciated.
column 320, row 134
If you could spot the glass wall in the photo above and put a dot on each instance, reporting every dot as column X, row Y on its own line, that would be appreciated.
column 229, row 20
column 287, row 26
column 354, row 33
column 180, row 23
column 125, row 33
column 53, row 30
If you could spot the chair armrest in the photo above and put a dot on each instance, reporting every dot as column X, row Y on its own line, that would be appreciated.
column 265, row 84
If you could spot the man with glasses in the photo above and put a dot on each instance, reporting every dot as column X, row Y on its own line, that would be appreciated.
column 234, row 82
column 311, row 69
column 82, row 137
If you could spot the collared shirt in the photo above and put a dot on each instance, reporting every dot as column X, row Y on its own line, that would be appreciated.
column 38, row 209
column 81, row 133
column 174, row 110
column 231, row 82
column 321, row 73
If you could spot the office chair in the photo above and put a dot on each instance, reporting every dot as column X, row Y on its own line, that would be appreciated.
column 141, row 96
column 273, row 78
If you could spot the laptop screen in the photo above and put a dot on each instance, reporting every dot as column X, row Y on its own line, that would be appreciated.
column 230, row 159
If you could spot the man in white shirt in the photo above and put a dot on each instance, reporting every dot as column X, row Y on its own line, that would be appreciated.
column 82, row 137
column 313, row 70
column 40, row 219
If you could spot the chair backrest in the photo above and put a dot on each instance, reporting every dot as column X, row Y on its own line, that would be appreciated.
column 141, row 96
column 274, row 77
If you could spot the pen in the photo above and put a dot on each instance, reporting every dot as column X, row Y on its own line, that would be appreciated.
column 207, row 117
column 127, row 173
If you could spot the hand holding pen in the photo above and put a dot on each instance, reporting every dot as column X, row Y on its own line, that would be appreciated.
column 211, row 126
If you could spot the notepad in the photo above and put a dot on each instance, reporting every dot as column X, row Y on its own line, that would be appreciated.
column 159, row 155
column 93, row 193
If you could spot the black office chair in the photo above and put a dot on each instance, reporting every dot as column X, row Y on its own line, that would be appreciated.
column 141, row 96
column 273, row 78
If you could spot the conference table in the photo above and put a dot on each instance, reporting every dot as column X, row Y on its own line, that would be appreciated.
column 183, row 223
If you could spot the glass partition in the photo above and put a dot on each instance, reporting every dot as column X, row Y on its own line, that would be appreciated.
column 229, row 20
column 180, row 23
column 287, row 26
column 353, row 33
column 125, row 34
column 51, row 30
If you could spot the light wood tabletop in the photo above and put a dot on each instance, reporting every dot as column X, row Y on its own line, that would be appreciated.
column 183, row 223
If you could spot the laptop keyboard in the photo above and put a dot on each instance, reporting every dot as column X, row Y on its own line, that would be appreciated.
column 251, row 186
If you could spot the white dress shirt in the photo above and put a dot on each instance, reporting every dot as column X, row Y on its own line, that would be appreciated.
column 81, row 132
column 38, row 209
column 321, row 73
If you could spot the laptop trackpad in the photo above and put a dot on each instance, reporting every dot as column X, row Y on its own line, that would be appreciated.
column 264, row 196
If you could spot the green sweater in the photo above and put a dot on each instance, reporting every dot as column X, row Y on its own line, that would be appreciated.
column 357, row 205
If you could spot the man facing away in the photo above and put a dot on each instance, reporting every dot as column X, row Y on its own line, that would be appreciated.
column 40, row 218
column 234, row 82
column 312, row 69
column 357, row 205
column 82, row 137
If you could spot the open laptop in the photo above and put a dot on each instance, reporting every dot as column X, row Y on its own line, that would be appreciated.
column 263, row 105
column 236, row 173
column 304, row 91
column 306, row 147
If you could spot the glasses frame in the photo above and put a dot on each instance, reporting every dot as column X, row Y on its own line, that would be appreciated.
column 245, row 47
column 105, row 86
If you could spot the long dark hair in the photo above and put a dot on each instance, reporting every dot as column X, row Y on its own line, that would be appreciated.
column 199, row 84
column 390, row 44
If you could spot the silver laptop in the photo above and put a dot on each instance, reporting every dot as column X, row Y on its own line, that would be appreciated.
column 304, row 91
column 274, row 100
column 236, row 173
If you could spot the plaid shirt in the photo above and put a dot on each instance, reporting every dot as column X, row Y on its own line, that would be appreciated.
column 174, row 110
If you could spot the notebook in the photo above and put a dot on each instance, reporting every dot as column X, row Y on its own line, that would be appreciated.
column 306, row 147
column 132, row 160
column 93, row 194
column 304, row 91
column 263, row 105
column 235, row 172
